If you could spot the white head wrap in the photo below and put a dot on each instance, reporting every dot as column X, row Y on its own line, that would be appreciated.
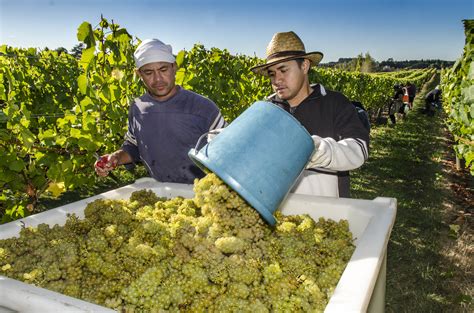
column 153, row 50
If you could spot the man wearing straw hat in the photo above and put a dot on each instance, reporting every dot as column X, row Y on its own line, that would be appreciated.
column 165, row 122
column 340, row 139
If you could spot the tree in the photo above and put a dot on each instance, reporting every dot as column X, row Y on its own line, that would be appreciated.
column 61, row 50
column 76, row 51
column 368, row 64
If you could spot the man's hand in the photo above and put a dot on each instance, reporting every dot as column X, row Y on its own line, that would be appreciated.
column 322, row 153
column 105, row 164
column 213, row 133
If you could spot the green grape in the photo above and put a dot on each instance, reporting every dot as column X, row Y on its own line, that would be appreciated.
column 209, row 253
column 53, row 272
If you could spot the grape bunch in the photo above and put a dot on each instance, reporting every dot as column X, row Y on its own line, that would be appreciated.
column 211, row 253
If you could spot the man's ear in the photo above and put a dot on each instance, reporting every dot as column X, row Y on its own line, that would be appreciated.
column 306, row 66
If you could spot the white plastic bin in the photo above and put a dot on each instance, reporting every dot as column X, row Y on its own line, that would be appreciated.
column 360, row 289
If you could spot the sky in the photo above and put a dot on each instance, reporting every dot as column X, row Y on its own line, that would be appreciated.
column 398, row 29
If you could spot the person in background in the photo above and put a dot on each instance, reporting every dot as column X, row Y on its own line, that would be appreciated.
column 340, row 139
column 432, row 100
column 411, row 88
column 396, row 104
column 362, row 114
column 165, row 122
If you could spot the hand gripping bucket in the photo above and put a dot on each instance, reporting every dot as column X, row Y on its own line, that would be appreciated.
column 259, row 155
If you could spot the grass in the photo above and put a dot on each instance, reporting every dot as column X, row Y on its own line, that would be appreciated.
column 428, row 265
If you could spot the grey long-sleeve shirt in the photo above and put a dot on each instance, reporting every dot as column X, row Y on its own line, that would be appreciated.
column 160, row 134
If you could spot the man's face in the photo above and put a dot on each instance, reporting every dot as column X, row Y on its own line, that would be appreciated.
column 288, row 79
column 159, row 79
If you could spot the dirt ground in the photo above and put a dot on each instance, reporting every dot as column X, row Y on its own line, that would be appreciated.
column 459, row 209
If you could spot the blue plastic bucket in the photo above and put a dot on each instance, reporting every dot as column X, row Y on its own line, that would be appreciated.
column 259, row 155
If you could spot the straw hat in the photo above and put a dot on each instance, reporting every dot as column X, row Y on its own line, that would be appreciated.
column 285, row 47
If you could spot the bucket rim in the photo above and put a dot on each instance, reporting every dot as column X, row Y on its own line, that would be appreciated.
column 273, row 105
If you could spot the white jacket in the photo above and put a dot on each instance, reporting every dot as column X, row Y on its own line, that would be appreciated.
column 330, row 157
column 340, row 140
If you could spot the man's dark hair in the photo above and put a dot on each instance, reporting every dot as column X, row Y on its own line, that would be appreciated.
column 299, row 61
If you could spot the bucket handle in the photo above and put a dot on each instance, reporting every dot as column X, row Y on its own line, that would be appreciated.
column 214, row 132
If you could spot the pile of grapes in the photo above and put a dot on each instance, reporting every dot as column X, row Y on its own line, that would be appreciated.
column 212, row 253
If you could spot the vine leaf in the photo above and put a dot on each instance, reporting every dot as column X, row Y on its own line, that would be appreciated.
column 56, row 189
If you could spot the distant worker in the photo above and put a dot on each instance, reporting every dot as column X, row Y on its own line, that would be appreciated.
column 411, row 88
column 432, row 100
column 396, row 105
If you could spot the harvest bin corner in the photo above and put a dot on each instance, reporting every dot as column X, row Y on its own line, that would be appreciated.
column 360, row 289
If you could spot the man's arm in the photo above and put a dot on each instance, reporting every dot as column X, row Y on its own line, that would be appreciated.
column 128, row 154
column 218, row 122
column 350, row 150
column 216, row 126
column 130, row 145
column 343, row 155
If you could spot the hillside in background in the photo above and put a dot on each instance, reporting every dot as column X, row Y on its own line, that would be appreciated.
column 366, row 63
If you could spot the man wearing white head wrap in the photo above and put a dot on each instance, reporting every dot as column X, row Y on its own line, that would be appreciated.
column 156, row 67
column 153, row 50
column 165, row 122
